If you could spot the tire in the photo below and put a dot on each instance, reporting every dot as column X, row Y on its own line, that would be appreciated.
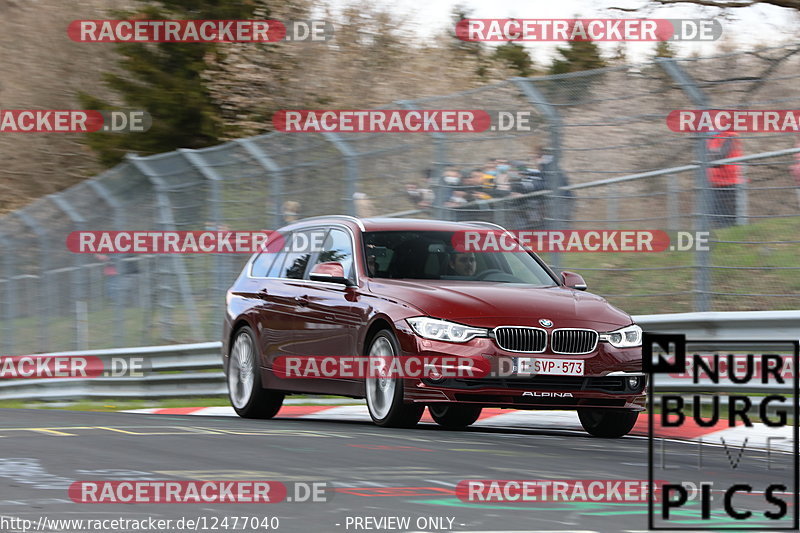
column 607, row 423
column 248, row 398
column 454, row 416
column 385, row 395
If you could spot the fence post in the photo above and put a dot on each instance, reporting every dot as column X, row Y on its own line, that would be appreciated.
column 77, row 288
column 702, row 201
column 440, row 191
column 10, row 305
column 118, row 212
column 44, row 288
column 742, row 198
column 167, row 222
column 555, row 178
column 350, row 157
column 278, row 177
column 195, row 159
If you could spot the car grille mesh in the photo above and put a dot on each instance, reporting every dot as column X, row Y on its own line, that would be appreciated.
column 574, row 341
column 534, row 340
column 527, row 340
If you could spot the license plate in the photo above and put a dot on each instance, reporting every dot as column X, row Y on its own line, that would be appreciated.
column 529, row 366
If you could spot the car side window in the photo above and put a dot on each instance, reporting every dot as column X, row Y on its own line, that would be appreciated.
column 518, row 269
column 261, row 265
column 338, row 248
column 275, row 269
column 294, row 266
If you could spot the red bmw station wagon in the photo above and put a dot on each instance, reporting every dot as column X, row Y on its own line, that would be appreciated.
column 397, row 288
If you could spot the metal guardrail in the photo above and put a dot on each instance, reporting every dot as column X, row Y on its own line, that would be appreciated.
column 184, row 370
column 172, row 371
column 722, row 326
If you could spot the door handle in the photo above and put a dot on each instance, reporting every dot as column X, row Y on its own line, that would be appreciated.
column 301, row 300
column 263, row 293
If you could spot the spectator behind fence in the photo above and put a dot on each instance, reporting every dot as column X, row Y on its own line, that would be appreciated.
column 496, row 179
column 291, row 210
column 479, row 185
column 459, row 192
column 502, row 180
column 724, row 178
column 489, row 173
column 456, row 200
column 531, row 210
column 111, row 277
column 451, row 177
column 363, row 205
column 419, row 196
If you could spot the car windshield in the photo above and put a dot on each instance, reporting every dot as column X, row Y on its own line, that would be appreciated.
column 430, row 255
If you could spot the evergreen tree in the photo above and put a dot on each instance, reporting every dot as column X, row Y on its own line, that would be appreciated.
column 577, row 56
column 515, row 56
column 664, row 49
column 165, row 79
column 470, row 50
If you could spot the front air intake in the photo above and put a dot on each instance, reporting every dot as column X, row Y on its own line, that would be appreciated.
column 521, row 339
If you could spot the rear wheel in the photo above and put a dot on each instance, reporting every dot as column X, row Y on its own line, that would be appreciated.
column 455, row 416
column 607, row 423
column 385, row 393
column 248, row 398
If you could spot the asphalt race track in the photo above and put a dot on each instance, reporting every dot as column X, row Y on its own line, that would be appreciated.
column 374, row 472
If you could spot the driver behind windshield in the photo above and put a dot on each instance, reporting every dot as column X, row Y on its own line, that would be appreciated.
column 463, row 264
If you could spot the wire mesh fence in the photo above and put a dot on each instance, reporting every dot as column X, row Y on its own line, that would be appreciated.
column 597, row 156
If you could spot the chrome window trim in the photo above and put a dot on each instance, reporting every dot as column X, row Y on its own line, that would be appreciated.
column 353, row 219
column 494, row 336
column 596, row 340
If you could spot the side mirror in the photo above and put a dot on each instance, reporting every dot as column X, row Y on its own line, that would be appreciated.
column 573, row 280
column 331, row 272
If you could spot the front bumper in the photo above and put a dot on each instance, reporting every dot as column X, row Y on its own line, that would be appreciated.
column 605, row 383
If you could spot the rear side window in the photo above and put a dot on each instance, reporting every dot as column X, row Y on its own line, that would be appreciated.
column 262, row 263
column 275, row 269
column 294, row 266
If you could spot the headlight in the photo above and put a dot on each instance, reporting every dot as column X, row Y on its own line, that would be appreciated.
column 442, row 330
column 627, row 337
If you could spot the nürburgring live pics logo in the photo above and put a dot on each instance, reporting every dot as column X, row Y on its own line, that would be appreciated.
column 753, row 482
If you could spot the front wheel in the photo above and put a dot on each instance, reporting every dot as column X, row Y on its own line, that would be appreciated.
column 454, row 416
column 385, row 393
column 248, row 398
column 607, row 423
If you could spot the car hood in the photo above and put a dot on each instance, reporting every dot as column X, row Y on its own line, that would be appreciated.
column 488, row 304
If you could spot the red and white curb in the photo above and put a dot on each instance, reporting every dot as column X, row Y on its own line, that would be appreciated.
column 759, row 436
